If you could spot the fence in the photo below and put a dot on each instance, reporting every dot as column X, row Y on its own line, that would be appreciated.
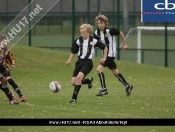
column 60, row 26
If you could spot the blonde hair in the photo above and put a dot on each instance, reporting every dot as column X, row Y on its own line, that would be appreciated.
column 88, row 28
column 102, row 18
column 2, row 37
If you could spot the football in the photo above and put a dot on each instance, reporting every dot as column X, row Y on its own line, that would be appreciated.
column 55, row 86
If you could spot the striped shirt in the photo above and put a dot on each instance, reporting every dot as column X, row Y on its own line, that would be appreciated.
column 85, row 48
column 9, row 59
column 108, row 37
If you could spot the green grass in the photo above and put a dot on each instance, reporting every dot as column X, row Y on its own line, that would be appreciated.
column 152, row 96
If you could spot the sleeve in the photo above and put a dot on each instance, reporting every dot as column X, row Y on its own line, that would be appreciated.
column 75, row 47
column 100, row 44
column 114, row 31
column 95, row 35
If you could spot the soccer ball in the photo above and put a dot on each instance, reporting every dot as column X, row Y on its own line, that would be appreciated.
column 55, row 86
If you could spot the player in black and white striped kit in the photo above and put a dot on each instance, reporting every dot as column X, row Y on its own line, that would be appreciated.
column 107, row 36
column 84, row 47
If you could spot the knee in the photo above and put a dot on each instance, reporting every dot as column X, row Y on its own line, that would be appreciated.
column 98, row 70
column 79, row 78
column 73, row 83
column 115, row 72
column 3, row 81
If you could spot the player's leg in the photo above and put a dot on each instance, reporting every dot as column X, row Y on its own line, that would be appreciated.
column 88, row 81
column 7, row 92
column 16, row 88
column 101, row 75
column 122, row 80
column 4, row 86
column 77, row 87
column 84, row 81
column 73, row 81
column 85, row 69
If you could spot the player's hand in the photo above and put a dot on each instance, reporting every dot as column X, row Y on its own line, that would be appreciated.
column 12, row 66
column 125, row 47
column 102, row 61
column 68, row 62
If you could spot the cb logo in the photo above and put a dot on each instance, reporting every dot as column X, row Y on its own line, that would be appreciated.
column 165, row 6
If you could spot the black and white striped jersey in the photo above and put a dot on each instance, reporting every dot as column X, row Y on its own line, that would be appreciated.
column 108, row 37
column 85, row 48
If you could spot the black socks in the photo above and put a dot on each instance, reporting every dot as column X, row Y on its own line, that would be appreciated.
column 15, row 87
column 76, row 91
column 102, row 80
column 121, row 79
column 6, row 90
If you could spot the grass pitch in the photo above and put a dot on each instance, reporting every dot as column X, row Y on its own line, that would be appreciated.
column 152, row 96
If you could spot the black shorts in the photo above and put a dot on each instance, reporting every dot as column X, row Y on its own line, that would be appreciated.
column 7, row 74
column 110, row 63
column 2, row 69
column 85, row 66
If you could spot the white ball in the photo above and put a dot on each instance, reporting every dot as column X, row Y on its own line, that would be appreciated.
column 55, row 86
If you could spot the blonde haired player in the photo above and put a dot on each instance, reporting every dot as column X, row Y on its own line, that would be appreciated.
column 107, row 36
column 84, row 47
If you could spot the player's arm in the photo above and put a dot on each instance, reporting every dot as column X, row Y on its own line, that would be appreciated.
column 70, row 58
column 123, row 40
column 104, row 48
column 116, row 32
column 104, row 55
column 74, row 50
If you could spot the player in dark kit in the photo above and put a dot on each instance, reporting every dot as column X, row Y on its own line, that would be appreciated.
column 7, row 59
column 4, row 87
column 84, row 46
column 107, row 36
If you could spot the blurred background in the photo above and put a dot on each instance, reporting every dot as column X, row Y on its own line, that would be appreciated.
column 60, row 26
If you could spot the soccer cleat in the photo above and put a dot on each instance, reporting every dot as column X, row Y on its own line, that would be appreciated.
column 72, row 101
column 14, row 101
column 14, row 97
column 102, row 92
column 128, row 90
column 90, row 84
column 22, row 98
